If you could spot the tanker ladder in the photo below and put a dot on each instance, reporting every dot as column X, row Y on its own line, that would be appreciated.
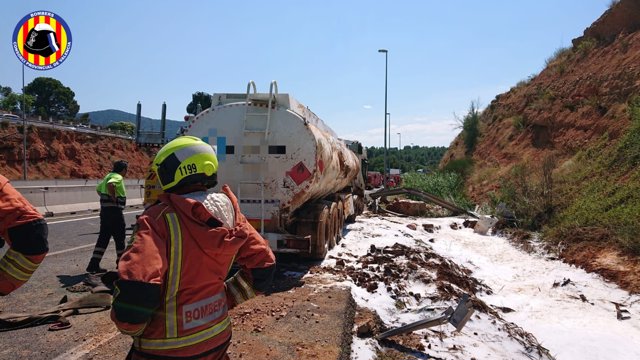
column 257, row 116
column 256, row 122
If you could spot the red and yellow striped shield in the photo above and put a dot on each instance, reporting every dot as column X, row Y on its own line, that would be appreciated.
column 42, row 40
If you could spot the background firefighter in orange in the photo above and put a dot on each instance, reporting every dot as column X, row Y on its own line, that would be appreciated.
column 25, row 231
column 172, row 297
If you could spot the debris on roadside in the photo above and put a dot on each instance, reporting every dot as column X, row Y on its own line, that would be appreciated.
column 484, row 224
column 367, row 323
column 395, row 271
column 414, row 284
column 564, row 282
column 504, row 309
column 457, row 317
column 582, row 298
column 416, row 208
column 519, row 238
column 621, row 312
column 430, row 228
column 469, row 223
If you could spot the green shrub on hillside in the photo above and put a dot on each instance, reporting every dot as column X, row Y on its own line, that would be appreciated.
column 528, row 192
column 446, row 185
column 461, row 167
column 585, row 46
column 519, row 122
column 600, row 191
column 522, row 83
column 559, row 55
column 470, row 128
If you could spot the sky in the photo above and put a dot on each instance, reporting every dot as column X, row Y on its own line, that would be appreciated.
column 570, row 328
column 442, row 55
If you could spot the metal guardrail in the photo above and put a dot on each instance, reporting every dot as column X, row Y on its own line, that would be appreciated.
column 56, row 197
column 70, row 126
column 426, row 197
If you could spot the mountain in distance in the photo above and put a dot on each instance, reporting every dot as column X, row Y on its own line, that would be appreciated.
column 105, row 117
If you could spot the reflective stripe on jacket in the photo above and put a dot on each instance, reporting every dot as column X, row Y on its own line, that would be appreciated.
column 183, row 252
column 25, row 232
column 16, row 269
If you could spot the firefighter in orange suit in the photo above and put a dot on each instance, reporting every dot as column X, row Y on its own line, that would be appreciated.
column 171, row 296
column 25, row 231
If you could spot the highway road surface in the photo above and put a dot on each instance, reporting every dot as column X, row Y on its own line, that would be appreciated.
column 71, row 242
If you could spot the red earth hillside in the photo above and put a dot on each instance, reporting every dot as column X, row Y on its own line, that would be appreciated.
column 65, row 154
column 581, row 95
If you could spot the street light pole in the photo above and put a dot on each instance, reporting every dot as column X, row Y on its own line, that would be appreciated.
column 386, row 58
column 389, row 121
column 399, row 141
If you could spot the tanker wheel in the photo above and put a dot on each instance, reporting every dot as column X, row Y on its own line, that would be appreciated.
column 333, row 223
column 359, row 204
column 340, row 226
column 358, row 208
column 317, row 225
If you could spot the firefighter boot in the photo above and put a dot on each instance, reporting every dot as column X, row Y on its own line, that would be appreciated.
column 94, row 267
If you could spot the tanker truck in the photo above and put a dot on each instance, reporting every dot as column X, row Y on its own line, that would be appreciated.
column 296, row 181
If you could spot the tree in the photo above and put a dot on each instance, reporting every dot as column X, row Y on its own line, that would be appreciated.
column 200, row 97
column 410, row 158
column 10, row 101
column 52, row 98
column 5, row 91
column 123, row 126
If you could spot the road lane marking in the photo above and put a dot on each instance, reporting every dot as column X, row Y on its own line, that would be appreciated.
column 80, row 351
column 69, row 250
column 86, row 218
column 81, row 246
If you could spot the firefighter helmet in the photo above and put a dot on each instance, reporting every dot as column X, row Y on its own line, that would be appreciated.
column 42, row 40
column 186, row 160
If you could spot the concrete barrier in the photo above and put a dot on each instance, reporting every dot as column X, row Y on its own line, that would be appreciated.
column 58, row 197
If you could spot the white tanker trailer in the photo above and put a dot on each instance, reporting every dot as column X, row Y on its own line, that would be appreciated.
column 296, row 182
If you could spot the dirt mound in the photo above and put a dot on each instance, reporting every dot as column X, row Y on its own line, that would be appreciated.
column 55, row 153
column 383, row 266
